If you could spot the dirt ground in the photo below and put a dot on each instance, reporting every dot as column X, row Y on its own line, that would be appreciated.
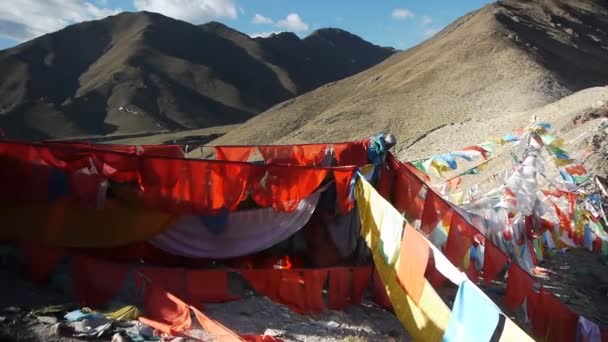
column 580, row 280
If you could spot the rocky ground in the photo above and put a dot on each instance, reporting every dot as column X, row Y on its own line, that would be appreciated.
column 578, row 277
column 27, row 313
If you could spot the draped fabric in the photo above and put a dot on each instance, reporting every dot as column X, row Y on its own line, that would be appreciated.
column 246, row 232
column 345, row 232
column 283, row 188
column 346, row 154
column 182, row 185
column 39, row 174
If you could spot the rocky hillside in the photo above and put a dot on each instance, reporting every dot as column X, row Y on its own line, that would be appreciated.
column 491, row 66
column 137, row 72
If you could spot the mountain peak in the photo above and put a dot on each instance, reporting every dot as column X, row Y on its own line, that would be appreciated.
column 331, row 32
column 283, row 36
column 221, row 29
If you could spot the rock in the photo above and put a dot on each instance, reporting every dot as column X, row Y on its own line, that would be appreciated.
column 332, row 324
column 273, row 332
column 120, row 338
column 47, row 320
column 11, row 309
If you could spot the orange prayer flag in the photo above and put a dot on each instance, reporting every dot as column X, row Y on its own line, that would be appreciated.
column 234, row 153
column 412, row 262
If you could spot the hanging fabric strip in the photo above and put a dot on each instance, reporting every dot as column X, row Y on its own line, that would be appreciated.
column 425, row 322
column 173, row 151
column 412, row 262
column 351, row 153
column 474, row 315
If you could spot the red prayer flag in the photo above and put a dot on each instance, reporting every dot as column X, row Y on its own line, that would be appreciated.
column 169, row 279
column 96, row 282
column 283, row 187
column 519, row 286
column 265, row 282
column 207, row 286
column 291, row 291
column 174, row 151
column 460, row 239
column 435, row 209
column 380, row 296
column 40, row 261
column 578, row 170
column 361, row 280
column 351, row 153
column 314, row 282
column 494, row 261
column 406, row 190
column 339, row 288
column 552, row 320
column 343, row 179
column 310, row 154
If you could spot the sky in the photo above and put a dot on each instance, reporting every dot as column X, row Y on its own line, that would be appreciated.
column 397, row 23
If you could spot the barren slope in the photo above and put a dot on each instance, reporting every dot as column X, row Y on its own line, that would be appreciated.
column 504, row 59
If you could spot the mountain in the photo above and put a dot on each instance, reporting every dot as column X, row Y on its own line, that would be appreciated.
column 489, row 66
column 138, row 72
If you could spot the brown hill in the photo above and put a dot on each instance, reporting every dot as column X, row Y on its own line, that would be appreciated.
column 489, row 66
column 142, row 71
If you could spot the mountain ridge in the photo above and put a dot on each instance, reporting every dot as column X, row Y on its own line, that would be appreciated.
column 506, row 58
column 143, row 71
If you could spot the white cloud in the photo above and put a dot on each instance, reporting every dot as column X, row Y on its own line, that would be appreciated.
column 194, row 11
column 430, row 32
column 260, row 19
column 426, row 20
column 402, row 13
column 27, row 19
column 292, row 22
column 241, row 10
column 263, row 34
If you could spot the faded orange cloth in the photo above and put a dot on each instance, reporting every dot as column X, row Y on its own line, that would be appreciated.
column 61, row 224
column 412, row 264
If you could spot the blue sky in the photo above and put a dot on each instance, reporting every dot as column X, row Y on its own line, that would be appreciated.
column 396, row 23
